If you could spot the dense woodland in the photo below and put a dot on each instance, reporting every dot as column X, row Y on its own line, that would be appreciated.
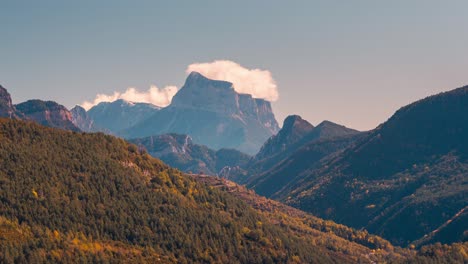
column 76, row 197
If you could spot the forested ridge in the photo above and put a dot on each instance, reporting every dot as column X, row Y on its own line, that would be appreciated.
column 76, row 197
column 70, row 196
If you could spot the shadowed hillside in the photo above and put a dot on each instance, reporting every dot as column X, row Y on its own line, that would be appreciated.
column 403, row 181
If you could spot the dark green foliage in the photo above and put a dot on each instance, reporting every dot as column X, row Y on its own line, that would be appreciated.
column 67, row 195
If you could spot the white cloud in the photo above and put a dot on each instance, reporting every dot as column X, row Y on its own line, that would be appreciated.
column 154, row 95
column 258, row 83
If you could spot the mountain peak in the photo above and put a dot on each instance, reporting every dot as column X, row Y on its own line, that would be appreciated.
column 81, row 119
column 213, row 113
column 195, row 75
column 6, row 107
column 294, row 129
column 331, row 125
column 327, row 129
column 196, row 79
column 78, row 109
column 296, row 121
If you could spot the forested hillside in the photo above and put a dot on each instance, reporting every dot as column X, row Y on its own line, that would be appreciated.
column 405, row 181
column 75, row 197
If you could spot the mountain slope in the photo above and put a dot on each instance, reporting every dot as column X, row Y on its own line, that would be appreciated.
column 403, row 180
column 297, row 145
column 288, row 170
column 295, row 134
column 75, row 197
column 337, row 237
column 213, row 114
column 294, row 129
column 47, row 113
column 180, row 152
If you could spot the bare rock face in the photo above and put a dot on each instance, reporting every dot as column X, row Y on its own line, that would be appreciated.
column 213, row 114
column 82, row 120
column 47, row 113
column 7, row 109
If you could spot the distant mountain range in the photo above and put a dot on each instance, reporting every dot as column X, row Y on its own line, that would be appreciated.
column 47, row 113
column 209, row 111
column 180, row 152
column 297, row 140
column 112, row 117
column 406, row 180
column 213, row 114
column 95, row 198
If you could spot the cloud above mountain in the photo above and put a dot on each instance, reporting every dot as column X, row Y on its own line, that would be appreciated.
column 154, row 95
column 259, row 83
column 256, row 82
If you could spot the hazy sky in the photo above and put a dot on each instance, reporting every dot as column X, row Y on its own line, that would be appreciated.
column 351, row 62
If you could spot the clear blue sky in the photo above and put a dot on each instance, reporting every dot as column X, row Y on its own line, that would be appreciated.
column 351, row 62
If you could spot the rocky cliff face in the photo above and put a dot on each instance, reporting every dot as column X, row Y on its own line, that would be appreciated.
column 47, row 113
column 82, row 120
column 213, row 114
column 7, row 109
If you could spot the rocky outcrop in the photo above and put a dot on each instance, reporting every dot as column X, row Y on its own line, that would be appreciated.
column 82, row 120
column 7, row 109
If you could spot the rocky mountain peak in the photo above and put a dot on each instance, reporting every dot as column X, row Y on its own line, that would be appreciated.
column 81, row 119
column 4, row 96
column 200, row 92
column 6, row 107
column 213, row 114
column 295, row 123
column 217, row 96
